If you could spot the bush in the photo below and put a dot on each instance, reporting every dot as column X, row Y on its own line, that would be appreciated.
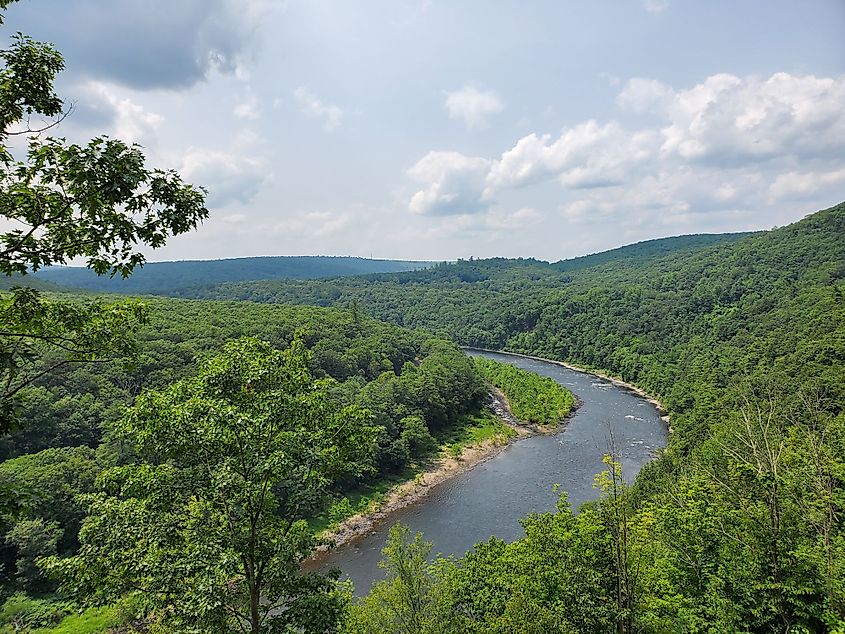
column 22, row 613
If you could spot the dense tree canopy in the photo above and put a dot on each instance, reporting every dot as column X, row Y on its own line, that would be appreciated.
column 532, row 398
column 180, row 471
column 208, row 528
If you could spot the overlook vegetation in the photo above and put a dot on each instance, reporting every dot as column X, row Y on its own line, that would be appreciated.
column 396, row 390
column 162, row 459
column 736, row 527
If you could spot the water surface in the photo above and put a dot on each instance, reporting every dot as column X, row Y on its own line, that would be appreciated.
column 491, row 498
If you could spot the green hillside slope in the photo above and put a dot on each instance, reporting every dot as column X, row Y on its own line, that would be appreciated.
column 648, row 249
column 737, row 526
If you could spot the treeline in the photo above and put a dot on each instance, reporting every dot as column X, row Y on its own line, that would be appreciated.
column 404, row 387
column 533, row 398
column 738, row 526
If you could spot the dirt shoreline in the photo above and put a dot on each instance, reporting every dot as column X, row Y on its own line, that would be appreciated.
column 447, row 467
column 440, row 470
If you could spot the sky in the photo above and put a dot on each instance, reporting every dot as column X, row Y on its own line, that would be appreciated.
column 436, row 130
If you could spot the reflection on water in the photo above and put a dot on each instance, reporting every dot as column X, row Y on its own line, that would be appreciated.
column 491, row 498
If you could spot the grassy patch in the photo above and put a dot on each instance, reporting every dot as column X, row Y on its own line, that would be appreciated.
column 472, row 430
column 92, row 621
column 366, row 498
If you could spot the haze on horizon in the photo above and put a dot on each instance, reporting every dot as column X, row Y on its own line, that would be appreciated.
column 432, row 130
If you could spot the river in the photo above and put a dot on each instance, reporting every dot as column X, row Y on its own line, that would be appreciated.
column 491, row 498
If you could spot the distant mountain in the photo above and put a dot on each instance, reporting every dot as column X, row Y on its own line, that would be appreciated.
column 29, row 281
column 164, row 278
column 649, row 249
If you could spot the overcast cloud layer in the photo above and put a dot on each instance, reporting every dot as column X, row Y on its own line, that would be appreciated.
column 437, row 130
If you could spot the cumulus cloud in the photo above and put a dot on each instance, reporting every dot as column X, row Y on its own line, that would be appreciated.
column 146, row 43
column 723, row 146
column 123, row 118
column 454, row 184
column 473, row 106
column 730, row 118
column 314, row 107
column 587, row 155
column 802, row 184
column 229, row 178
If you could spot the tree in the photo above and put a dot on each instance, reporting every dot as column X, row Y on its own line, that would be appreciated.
column 33, row 539
column 407, row 601
column 50, row 482
column 62, row 201
column 209, row 532
column 612, row 508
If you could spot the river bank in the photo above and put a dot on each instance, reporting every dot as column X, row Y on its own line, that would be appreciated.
column 664, row 412
column 440, row 470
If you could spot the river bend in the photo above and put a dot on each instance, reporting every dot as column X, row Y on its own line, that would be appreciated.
column 491, row 498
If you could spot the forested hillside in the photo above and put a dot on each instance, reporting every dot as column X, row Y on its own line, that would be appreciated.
column 627, row 315
column 399, row 389
column 648, row 250
column 738, row 527
column 168, row 278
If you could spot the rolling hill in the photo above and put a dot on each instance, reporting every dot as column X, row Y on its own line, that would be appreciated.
column 165, row 278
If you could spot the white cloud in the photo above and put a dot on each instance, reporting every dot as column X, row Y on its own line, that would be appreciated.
column 229, row 178
column 247, row 109
column 645, row 95
column 454, row 184
column 722, row 148
column 730, row 118
column 519, row 219
column 473, row 106
column 313, row 223
column 127, row 120
column 234, row 219
column 802, row 184
column 312, row 106
column 587, row 155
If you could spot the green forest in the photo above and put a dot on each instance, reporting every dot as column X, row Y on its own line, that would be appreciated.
column 736, row 527
column 532, row 398
column 167, row 464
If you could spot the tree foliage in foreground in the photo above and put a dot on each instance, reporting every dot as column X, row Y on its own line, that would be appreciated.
column 412, row 384
column 60, row 201
column 208, row 531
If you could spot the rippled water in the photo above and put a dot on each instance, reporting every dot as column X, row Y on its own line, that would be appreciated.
column 492, row 497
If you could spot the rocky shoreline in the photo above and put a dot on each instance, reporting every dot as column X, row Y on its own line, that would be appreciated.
column 440, row 470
